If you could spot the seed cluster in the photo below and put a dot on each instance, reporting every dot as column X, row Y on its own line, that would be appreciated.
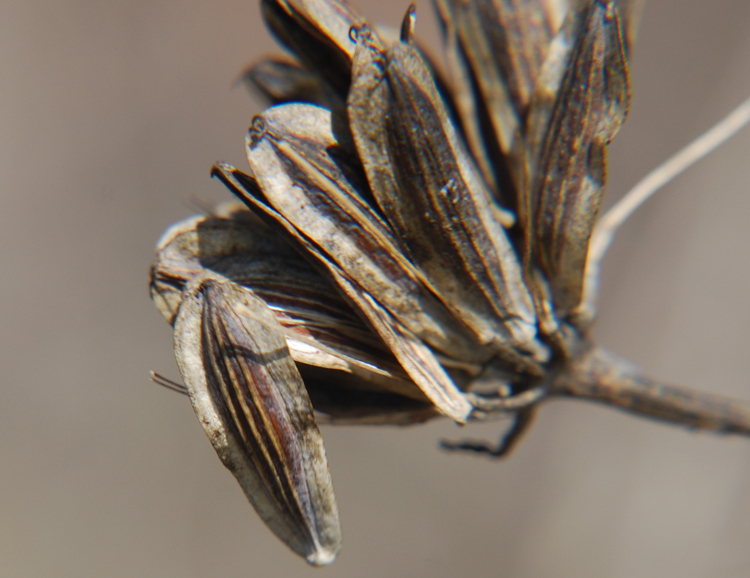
column 407, row 246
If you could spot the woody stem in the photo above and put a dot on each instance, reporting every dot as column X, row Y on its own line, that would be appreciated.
column 600, row 376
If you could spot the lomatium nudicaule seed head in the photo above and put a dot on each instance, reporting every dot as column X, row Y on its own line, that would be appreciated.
column 409, row 244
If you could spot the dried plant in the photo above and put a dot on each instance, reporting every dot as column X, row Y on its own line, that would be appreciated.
column 411, row 247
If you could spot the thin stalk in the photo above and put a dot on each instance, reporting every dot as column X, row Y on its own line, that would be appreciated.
column 600, row 376
column 609, row 224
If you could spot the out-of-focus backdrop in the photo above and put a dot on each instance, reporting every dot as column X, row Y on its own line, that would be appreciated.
column 111, row 114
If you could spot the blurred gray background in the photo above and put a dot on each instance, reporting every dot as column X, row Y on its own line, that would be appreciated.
column 111, row 114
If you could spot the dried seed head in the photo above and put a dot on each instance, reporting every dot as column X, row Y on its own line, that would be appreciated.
column 418, row 238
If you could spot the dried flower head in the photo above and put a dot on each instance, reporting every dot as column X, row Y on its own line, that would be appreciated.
column 409, row 247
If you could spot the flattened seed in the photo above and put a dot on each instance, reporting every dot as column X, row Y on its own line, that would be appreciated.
column 249, row 397
column 494, row 50
column 503, row 44
column 428, row 189
column 580, row 103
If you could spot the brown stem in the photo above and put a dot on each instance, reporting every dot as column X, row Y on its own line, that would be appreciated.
column 598, row 375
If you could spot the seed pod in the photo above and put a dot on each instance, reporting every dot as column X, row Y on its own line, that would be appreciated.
column 250, row 399
column 428, row 189
column 580, row 102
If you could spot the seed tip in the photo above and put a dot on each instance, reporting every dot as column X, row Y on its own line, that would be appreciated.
column 321, row 556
